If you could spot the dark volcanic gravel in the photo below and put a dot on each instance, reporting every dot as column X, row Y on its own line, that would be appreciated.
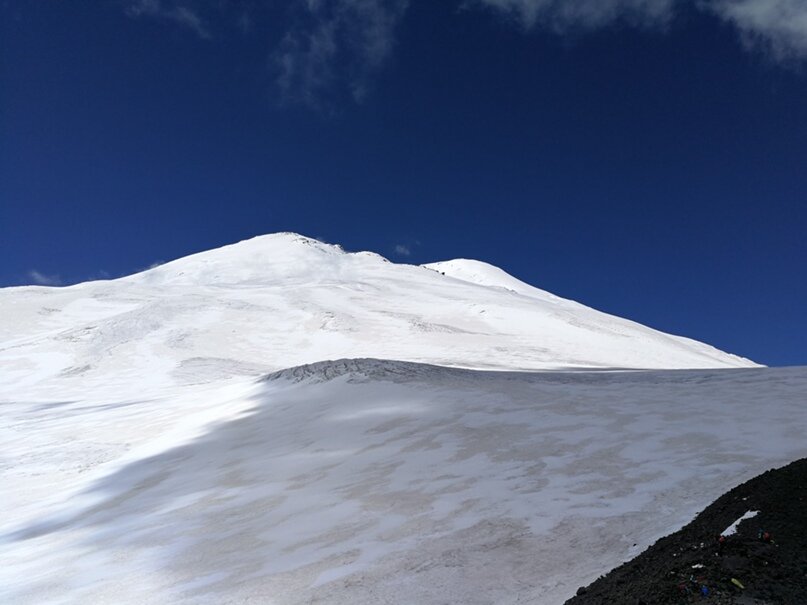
column 764, row 563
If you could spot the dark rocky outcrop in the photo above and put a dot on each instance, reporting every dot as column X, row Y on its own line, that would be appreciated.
column 764, row 563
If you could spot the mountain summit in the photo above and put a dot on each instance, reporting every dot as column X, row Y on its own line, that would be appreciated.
column 282, row 300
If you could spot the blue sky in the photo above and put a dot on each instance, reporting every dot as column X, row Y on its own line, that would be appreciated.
column 645, row 157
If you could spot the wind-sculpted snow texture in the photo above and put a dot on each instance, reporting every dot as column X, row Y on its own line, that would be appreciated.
column 367, row 481
column 283, row 300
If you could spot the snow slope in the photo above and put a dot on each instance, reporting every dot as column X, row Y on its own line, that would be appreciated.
column 365, row 481
column 143, row 459
column 282, row 300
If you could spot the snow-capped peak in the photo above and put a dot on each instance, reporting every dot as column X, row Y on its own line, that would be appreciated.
column 485, row 274
column 262, row 259
column 284, row 300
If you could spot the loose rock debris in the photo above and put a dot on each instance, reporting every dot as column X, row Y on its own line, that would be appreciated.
column 763, row 562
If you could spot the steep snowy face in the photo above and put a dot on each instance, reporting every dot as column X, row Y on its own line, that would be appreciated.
column 282, row 300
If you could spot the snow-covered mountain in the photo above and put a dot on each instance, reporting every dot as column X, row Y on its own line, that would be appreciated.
column 180, row 436
column 283, row 300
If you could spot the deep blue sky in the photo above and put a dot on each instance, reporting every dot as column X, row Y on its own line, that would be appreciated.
column 658, row 173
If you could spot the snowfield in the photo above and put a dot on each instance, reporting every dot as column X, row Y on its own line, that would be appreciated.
column 377, row 482
column 179, row 435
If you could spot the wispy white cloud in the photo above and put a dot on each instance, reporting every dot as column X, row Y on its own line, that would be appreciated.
column 149, row 267
column 153, row 265
column 564, row 15
column 323, row 51
column 403, row 250
column 335, row 43
column 43, row 279
column 177, row 12
column 779, row 26
column 326, row 49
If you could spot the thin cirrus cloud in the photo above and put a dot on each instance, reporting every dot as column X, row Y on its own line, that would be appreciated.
column 43, row 279
column 331, row 49
column 779, row 26
column 181, row 14
column 327, row 48
column 776, row 26
column 403, row 250
column 564, row 15
column 335, row 41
